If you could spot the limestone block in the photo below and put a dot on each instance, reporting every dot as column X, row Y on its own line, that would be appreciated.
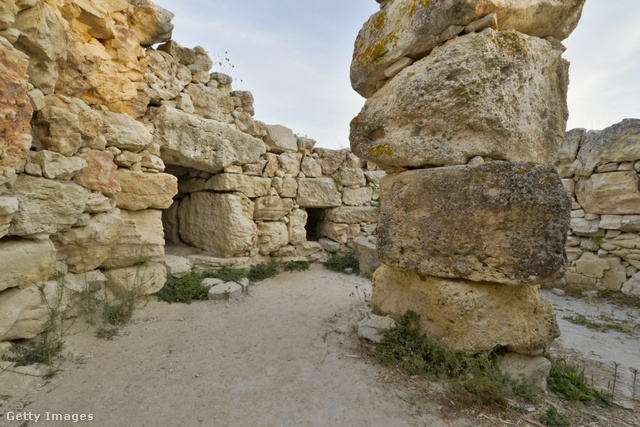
column 375, row 177
column 356, row 196
column 210, row 102
column 289, row 163
column 272, row 236
column 65, row 124
column 535, row 369
column 15, row 127
column 86, row 248
column 371, row 326
column 145, row 279
column 25, row 261
column 23, row 312
column 610, row 193
column 100, row 173
column 42, row 32
column 55, row 165
column 367, row 255
column 311, row 168
column 140, row 238
column 353, row 214
column 127, row 159
column 331, row 159
column 585, row 227
column 625, row 246
column 632, row 286
column 220, row 223
column 176, row 266
column 122, row 131
column 203, row 144
column 502, row 222
column 8, row 207
column 286, row 187
column 617, row 143
column 8, row 12
column 280, row 139
column 615, row 276
column 170, row 223
column 350, row 177
column 145, row 190
column 469, row 316
column 520, row 97
column 246, row 98
column 271, row 208
column 306, row 249
column 225, row 291
column 592, row 266
column 409, row 28
column 271, row 167
column 329, row 245
column 318, row 193
column 46, row 206
column 336, row 232
column 97, row 203
column 305, row 145
column 164, row 77
column 250, row 186
column 297, row 223
column 93, row 280
column 151, row 22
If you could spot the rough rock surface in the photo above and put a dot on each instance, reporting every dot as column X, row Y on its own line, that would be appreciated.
column 272, row 236
column 145, row 190
column 145, row 279
column 501, row 86
column 501, row 222
column 412, row 28
column 220, row 223
column 318, row 193
column 614, row 193
column 100, row 173
column 469, row 316
column 25, row 261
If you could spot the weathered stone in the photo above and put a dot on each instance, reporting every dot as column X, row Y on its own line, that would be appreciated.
column 367, row 255
column 97, row 203
column 176, row 266
column 290, row 163
column 210, row 103
column 220, row 223
column 408, row 28
column 42, row 32
column 24, row 262
column 250, row 186
column 8, row 207
column 306, row 249
column 329, row 245
column 24, row 313
column 122, row 131
column 610, row 193
column 584, row 227
column 353, row 214
column 311, row 168
column 616, row 276
column 272, row 236
column 318, row 193
column 336, row 232
column 499, row 222
column 632, row 286
column 356, row 196
column 533, row 370
column 617, row 143
column 286, row 187
column 305, row 145
column 15, row 127
column 151, row 22
column 625, row 246
column 331, row 159
column 143, row 279
column 93, row 280
column 144, row 190
column 280, row 139
column 271, row 208
column 170, row 223
column 55, row 165
column 520, row 97
column 375, row 176
column 371, row 326
column 225, row 291
column 86, row 248
column 127, row 159
column 164, row 77
column 100, row 173
column 469, row 316
column 350, row 177
column 140, row 239
column 46, row 206
column 202, row 144
column 297, row 223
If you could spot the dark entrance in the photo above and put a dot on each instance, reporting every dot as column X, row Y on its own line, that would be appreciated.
column 314, row 218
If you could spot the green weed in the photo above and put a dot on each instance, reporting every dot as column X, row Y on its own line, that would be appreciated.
column 297, row 266
column 226, row 274
column 340, row 263
column 568, row 382
column 260, row 272
column 582, row 320
column 553, row 418
column 184, row 289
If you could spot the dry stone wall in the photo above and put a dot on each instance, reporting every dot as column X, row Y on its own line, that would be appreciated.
column 110, row 147
column 599, row 170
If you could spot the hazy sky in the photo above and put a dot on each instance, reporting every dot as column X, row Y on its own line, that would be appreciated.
column 294, row 57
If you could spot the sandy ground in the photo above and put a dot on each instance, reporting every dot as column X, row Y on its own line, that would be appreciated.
column 283, row 355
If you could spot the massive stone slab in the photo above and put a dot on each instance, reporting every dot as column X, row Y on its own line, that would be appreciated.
column 271, row 208
column 46, row 205
column 412, row 28
column 25, row 261
column 614, row 193
column 353, row 214
column 220, row 223
column 250, row 186
column 502, row 222
column 469, row 316
column 145, row 190
column 497, row 94
column 203, row 144
column 318, row 193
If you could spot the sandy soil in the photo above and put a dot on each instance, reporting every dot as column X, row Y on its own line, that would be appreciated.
column 285, row 354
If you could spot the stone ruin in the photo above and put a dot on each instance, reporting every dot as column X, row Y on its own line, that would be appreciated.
column 111, row 148
column 466, row 111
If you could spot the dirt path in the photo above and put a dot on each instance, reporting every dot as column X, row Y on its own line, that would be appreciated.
column 280, row 356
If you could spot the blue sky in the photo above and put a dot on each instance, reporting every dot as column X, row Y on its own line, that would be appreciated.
column 294, row 57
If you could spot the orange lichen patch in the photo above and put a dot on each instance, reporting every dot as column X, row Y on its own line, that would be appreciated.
column 380, row 150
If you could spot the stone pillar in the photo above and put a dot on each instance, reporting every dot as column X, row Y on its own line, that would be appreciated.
column 466, row 111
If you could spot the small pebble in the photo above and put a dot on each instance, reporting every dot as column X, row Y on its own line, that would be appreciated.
column 348, row 270
column 558, row 292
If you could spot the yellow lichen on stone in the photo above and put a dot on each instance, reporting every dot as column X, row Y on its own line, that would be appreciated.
column 380, row 150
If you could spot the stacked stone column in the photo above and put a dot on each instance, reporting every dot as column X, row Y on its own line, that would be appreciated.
column 466, row 111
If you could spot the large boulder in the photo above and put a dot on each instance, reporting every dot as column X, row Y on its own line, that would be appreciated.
column 613, row 193
column 468, row 316
column 412, row 28
column 140, row 238
column 145, row 190
column 218, row 222
column 25, row 261
column 46, row 205
column 473, row 96
column 501, row 222
column 151, row 22
column 203, row 144
column 15, row 127
column 353, row 214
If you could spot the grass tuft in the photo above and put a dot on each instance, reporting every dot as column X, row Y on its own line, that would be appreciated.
column 260, row 272
column 339, row 263
column 569, row 383
column 184, row 289
column 297, row 266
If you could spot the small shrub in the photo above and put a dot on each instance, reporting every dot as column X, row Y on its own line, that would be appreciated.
column 43, row 351
column 225, row 273
column 297, row 266
column 339, row 263
column 184, row 289
column 260, row 272
column 553, row 418
column 568, row 382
